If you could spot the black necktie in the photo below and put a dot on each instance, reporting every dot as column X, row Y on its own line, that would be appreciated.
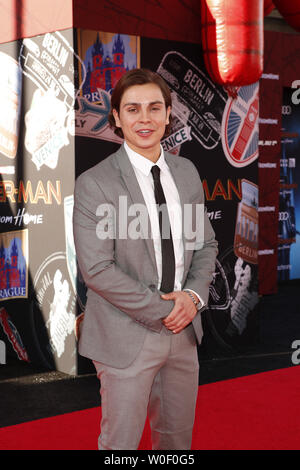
column 167, row 248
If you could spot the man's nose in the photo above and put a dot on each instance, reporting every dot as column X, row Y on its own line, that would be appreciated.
column 144, row 114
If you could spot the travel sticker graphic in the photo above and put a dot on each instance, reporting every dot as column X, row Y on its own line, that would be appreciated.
column 106, row 57
column 240, row 126
column 48, row 61
column 198, row 103
column 14, row 265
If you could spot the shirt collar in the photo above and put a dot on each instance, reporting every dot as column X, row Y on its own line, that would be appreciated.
column 144, row 164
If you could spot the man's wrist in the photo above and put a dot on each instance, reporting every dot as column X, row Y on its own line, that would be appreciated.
column 198, row 302
column 193, row 297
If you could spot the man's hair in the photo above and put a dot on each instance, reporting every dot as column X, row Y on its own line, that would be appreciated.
column 137, row 77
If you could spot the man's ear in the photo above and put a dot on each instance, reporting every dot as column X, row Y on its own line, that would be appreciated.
column 116, row 116
column 169, row 109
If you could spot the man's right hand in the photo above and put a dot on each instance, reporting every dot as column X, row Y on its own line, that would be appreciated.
column 183, row 312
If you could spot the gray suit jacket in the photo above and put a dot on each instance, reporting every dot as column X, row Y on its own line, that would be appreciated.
column 120, row 273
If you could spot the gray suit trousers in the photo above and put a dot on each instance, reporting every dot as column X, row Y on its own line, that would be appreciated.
column 162, row 382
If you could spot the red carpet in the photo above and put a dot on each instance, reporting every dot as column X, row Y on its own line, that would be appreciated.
column 257, row 412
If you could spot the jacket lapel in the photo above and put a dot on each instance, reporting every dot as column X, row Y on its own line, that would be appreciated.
column 133, row 187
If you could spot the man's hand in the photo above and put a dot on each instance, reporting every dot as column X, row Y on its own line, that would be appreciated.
column 183, row 312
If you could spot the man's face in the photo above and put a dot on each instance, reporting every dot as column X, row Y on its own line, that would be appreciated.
column 143, row 118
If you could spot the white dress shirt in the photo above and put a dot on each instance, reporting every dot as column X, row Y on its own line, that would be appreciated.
column 142, row 168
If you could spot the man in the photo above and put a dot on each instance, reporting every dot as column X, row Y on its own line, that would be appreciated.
column 147, row 280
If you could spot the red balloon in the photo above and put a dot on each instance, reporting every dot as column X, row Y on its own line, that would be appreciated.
column 232, row 38
column 290, row 10
column 268, row 7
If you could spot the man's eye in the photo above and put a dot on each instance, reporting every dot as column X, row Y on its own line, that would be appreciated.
column 131, row 110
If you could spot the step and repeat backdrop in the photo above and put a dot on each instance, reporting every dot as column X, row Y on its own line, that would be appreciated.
column 55, row 96
column 279, row 166
column 289, row 194
column 38, row 298
column 217, row 131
